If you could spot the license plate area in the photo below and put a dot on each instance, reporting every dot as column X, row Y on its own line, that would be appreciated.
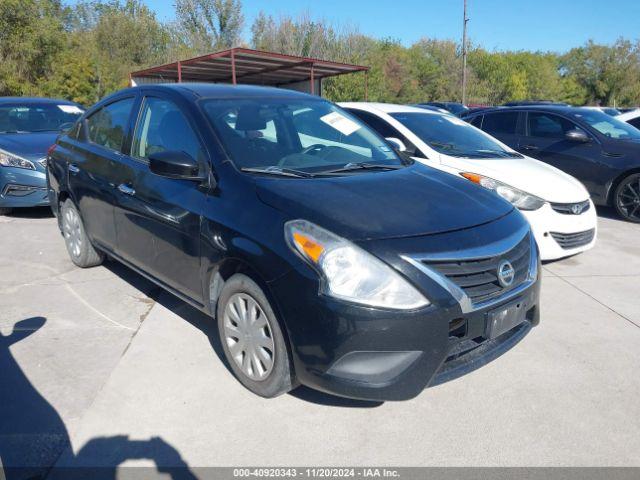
column 506, row 317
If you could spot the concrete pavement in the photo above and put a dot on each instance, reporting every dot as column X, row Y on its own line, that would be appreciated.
column 136, row 376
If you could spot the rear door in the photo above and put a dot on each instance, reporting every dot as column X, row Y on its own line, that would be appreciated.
column 158, row 218
column 95, row 167
column 505, row 126
column 545, row 140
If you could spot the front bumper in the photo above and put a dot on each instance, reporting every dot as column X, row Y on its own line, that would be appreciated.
column 545, row 220
column 376, row 354
column 20, row 187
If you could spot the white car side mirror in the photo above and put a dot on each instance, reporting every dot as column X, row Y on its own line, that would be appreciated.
column 397, row 144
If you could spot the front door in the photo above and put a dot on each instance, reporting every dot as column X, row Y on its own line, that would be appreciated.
column 158, row 218
column 545, row 140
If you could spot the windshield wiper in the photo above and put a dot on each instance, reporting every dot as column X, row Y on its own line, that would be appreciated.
column 273, row 170
column 350, row 167
column 14, row 131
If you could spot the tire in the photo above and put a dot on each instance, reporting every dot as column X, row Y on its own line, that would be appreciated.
column 257, row 354
column 82, row 252
column 5, row 211
column 627, row 198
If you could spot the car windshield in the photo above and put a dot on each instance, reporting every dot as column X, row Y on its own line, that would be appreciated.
column 37, row 117
column 452, row 136
column 609, row 126
column 289, row 136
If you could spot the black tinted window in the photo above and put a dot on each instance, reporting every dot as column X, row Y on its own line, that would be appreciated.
column 500, row 123
column 546, row 125
column 386, row 130
column 163, row 127
column 635, row 122
column 106, row 127
column 477, row 121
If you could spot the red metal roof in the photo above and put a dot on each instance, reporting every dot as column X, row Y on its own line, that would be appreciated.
column 243, row 65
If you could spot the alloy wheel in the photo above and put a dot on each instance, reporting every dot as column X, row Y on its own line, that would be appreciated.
column 629, row 199
column 72, row 230
column 248, row 336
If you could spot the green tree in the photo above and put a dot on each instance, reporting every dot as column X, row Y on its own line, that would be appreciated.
column 210, row 24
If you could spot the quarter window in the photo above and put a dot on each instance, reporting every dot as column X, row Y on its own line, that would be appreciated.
column 504, row 123
column 163, row 127
column 107, row 126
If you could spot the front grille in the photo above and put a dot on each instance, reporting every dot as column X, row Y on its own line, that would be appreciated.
column 478, row 278
column 574, row 240
column 568, row 208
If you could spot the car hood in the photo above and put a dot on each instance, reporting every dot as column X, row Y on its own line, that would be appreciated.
column 526, row 174
column 32, row 146
column 416, row 200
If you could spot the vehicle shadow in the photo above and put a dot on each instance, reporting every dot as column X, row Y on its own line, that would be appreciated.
column 33, row 436
column 208, row 326
column 33, row 212
column 610, row 213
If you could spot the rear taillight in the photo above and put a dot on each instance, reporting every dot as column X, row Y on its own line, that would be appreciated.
column 51, row 149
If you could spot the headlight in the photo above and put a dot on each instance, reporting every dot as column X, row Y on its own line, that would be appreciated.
column 518, row 198
column 348, row 272
column 9, row 160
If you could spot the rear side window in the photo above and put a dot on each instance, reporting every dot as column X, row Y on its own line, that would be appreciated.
column 477, row 121
column 163, row 127
column 504, row 123
column 635, row 122
column 107, row 126
column 546, row 125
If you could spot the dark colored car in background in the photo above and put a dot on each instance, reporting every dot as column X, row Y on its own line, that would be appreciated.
column 456, row 108
column 598, row 149
column 327, row 258
column 28, row 127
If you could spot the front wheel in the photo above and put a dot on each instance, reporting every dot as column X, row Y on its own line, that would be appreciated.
column 80, row 249
column 252, row 339
column 627, row 198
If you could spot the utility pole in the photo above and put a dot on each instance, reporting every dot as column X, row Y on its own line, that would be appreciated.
column 464, row 53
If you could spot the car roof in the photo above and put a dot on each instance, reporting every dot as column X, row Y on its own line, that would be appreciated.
column 34, row 100
column 387, row 108
column 220, row 90
column 533, row 108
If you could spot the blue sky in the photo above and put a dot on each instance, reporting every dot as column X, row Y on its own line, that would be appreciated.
column 555, row 25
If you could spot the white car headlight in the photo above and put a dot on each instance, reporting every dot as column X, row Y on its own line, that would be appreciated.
column 350, row 273
column 10, row 160
column 518, row 198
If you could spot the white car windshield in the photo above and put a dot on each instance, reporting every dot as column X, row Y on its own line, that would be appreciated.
column 295, row 136
column 452, row 136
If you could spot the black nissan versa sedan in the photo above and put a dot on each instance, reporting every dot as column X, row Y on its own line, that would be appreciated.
column 598, row 149
column 327, row 258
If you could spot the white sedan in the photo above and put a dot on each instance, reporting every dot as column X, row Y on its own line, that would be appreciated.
column 558, row 207
column 632, row 117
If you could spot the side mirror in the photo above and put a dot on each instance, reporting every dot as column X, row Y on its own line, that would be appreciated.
column 175, row 164
column 577, row 135
column 396, row 143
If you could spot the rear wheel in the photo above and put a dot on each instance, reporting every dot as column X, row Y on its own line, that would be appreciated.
column 627, row 198
column 82, row 253
column 251, row 338
column 5, row 211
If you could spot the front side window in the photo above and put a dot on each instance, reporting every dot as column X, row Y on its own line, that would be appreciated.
column 608, row 126
column 163, row 127
column 503, row 123
column 307, row 135
column 635, row 122
column 107, row 126
column 34, row 117
column 452, row 136
column 545, row 125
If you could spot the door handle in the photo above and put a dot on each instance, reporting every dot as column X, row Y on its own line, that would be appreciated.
column 126, row 189
column 73, row 168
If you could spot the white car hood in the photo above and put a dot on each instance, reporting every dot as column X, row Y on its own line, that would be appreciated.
column 526, row 174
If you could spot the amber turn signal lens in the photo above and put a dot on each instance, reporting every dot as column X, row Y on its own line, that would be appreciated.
column 312, row 249
column 474, row 177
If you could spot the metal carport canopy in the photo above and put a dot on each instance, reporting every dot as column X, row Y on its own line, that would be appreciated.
column 244, row 65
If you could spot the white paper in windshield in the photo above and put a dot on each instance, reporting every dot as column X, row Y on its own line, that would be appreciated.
column 341, row 123
column 69, row 109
